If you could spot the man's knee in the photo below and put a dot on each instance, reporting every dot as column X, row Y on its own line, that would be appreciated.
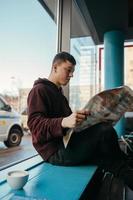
column 104, row 126
column 107, row 130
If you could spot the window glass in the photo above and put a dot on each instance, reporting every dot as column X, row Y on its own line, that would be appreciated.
column 84, row 83
column 1, row 104
column 27, row 46
column 128, row 52
column 128, row 65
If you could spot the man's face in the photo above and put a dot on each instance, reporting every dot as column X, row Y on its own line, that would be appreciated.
column 63, row 72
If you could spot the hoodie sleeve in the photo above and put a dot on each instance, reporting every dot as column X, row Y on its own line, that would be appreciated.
column 42, row 127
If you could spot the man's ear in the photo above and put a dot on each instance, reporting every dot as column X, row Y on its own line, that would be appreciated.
column 54, row 67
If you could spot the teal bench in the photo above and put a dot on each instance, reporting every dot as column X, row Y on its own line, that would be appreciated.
column 52, row 183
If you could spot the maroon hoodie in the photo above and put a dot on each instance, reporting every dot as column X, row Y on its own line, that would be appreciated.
column 47, row 106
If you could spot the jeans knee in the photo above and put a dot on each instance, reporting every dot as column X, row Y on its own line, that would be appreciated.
column 107, row 131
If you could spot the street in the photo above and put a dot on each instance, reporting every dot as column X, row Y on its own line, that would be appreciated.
column 15, row 154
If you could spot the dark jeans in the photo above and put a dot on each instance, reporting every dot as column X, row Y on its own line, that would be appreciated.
column 97, row 145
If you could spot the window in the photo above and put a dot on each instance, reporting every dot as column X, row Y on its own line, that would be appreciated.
column 128, row 65
column 27, row 46
column 128, row 51
column 1, row 104
column 84, row 83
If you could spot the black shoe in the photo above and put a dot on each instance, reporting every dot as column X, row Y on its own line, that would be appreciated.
column 126, row 175
column 121, row 170
column 130, row 161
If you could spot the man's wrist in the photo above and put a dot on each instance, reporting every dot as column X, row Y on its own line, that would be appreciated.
column 63, row 123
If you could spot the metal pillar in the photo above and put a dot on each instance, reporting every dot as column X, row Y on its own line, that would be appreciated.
column 114, row 65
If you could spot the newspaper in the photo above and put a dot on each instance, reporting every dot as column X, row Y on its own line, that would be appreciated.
column 108, row 105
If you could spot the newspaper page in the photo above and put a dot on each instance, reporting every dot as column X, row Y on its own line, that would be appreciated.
column 108, row 105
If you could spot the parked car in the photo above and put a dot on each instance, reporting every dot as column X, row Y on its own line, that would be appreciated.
column 24, row 118
column 10, row 125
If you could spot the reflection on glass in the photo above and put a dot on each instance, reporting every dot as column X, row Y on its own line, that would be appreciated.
column 83, row 84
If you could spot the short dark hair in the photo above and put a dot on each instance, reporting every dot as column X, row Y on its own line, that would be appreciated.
column 63, row 57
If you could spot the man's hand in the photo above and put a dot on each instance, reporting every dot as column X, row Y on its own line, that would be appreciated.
column 75, row 119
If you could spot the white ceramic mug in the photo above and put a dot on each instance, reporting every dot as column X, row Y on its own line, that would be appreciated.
column 17, row 179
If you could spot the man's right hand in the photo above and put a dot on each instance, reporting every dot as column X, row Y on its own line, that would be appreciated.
column 75, row 119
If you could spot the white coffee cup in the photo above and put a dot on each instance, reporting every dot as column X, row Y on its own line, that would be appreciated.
column 17, row 179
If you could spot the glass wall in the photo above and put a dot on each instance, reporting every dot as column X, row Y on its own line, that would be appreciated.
column 128, row 65
column 27, row 46
column 128, row 52
column 84, row 83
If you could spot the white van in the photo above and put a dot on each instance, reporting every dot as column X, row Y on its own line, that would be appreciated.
column 10, row 125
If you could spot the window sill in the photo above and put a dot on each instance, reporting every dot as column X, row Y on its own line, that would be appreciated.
column 23, row 165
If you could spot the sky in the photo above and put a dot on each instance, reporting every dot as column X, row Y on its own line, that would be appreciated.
column 27, row 43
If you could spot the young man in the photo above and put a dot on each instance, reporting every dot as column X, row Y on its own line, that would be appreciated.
column 49, row 118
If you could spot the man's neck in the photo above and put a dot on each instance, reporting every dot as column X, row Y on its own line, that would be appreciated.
column 53, row 80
